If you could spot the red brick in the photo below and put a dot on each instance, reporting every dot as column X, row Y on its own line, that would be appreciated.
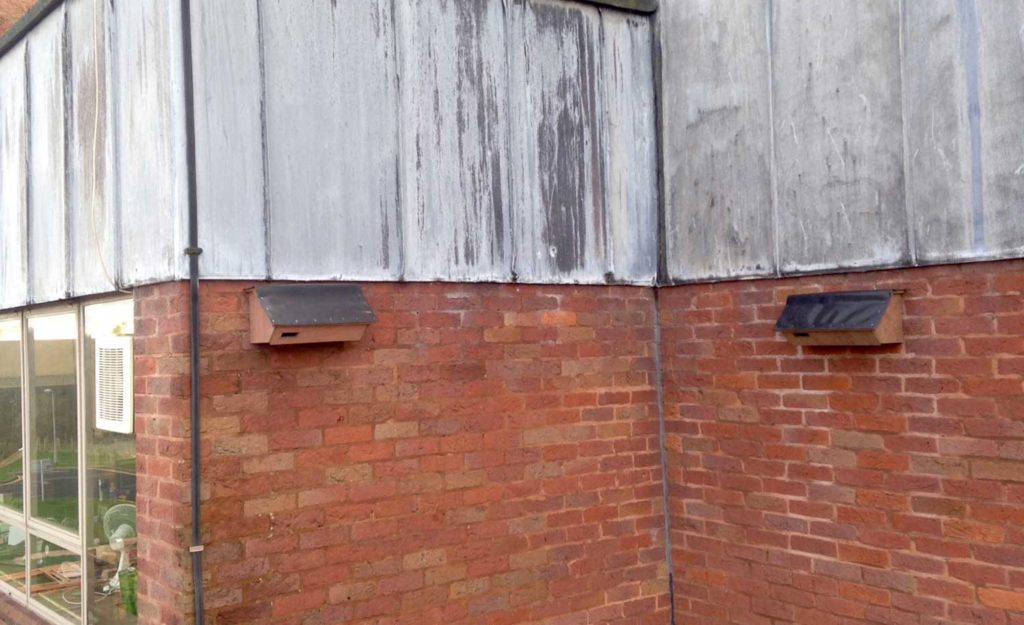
column 540, row 437
column 1002, row 599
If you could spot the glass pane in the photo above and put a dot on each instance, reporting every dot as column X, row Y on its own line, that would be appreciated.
column 11, row 493
column 110, row 462
column 56, row 575
column 12, row 555
column 53, row 427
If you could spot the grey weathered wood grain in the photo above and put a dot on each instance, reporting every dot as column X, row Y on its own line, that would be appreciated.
column 13, row 179
column 455, row 149
column 93, row 227
column 630, row 141
column 1001, row 98
column 718, row 196
column 332, row 136
column 838, row 134
column 559, row 211
column 939, row 198
column 47, row 211
column 229, row 138
column 150, row 140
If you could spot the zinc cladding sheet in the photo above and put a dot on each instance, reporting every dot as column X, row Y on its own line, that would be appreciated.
column 92, row 177
column 471, row 141
column 529, row 155
column 804, row 137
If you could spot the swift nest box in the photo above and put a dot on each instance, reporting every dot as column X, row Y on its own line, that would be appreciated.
column 296, row 314
column 856, row 318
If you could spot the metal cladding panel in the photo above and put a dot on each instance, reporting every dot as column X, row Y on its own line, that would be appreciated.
column 939, row 198
column 332, row 139
column 717, row 136
column 489, row 160
column 838, row 134
column 1000, row 98
column 150, row 140
column 455, row 140
column 13, row 178
column 47, row 209
column 93, row 227
column 559, row 213
column 965, row 102
column 631, row 148
column 229, row 138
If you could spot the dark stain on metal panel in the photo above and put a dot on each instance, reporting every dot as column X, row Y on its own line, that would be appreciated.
column 485, row 175
column 566, row 134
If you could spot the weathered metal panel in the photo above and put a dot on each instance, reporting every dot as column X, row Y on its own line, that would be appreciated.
column 13, row 178
column 47, row 210
column 229, row 138
column 630, row 140
column 838, row 134
column 150, row 139
column 939, row 179
column 455, row 149
column 717, row 134
column 1000, row 84
column 559, row 210
column 332, row 139
column 93, row 227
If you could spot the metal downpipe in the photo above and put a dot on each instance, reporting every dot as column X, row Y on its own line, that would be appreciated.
column 193, row 251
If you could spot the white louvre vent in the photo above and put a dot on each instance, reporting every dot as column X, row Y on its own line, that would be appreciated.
column 115, row 392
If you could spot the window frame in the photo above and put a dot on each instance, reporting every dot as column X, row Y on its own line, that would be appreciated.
column 76, row 543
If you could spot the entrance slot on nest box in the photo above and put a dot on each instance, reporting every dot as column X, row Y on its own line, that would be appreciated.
column 846, row 318
column 296, row 314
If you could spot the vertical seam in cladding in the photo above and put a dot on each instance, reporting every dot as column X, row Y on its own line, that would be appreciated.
column 659, row 384
column 264, row 140
column 969, row 38
column 186, row 127
column 114, row 106
column 515, row 204
column 66, row 81
column 908, row 205
column 26, row 253
column 773, row 165
column 510, row 199
column 661, row 270
column 399, row 226
column 602, row 110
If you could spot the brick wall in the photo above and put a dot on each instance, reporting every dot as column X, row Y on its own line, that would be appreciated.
column 841, row 486
column 487, row 454
column 11, row 11
column 162, row 392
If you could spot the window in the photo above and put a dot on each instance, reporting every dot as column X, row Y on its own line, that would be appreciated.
column 67, row 506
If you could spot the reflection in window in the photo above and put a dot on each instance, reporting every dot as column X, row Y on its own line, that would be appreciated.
column 53, row 427
column 56, row 575
column 12, row 555
column 67, row 395
column 110, row 462
column 10, row 414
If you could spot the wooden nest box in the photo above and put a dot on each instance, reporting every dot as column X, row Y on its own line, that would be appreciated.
column 858, row 318
column 296, row 314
